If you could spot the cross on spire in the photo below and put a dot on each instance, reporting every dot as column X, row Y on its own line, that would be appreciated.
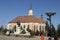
column 31, row 6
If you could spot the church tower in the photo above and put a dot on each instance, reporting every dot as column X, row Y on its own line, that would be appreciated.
column 30, row 13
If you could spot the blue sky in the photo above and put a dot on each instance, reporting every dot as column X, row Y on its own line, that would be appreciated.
column 10, row 9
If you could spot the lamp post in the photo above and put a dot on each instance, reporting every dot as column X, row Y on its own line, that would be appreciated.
column 49, row 14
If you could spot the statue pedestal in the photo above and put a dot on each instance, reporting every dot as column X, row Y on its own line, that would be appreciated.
column 7, row 33
column 17, row 31
column 21, row 32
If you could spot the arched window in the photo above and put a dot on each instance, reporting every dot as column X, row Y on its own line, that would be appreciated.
column 24, row 26
column 34, row 28
column 40, row 28
column 28, row 27
column 14, row 28
column 21, row 28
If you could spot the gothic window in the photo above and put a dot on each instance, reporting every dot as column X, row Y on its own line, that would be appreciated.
column 21, row 28
column 40, row 28
column 24, row 26
column 28, row 27
column 34, row 28
column 14, row 28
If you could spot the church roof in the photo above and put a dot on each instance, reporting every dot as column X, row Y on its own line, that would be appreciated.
column 25, row 19
column 29, row 18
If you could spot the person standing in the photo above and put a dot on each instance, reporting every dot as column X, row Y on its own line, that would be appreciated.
column 42, row 37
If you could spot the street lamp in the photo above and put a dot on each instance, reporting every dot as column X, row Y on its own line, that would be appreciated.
column 49, row 14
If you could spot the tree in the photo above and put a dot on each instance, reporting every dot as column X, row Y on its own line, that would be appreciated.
column 47, row 28
column 2, row 29
column 58, row 29
column 37, row 33
column 5, row 30
column 53, row 30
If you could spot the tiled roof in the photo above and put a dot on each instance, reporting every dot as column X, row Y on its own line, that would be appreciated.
column 25, row 19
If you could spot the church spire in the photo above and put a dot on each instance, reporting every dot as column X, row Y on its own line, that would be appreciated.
column 31, row 6
column 30, row 11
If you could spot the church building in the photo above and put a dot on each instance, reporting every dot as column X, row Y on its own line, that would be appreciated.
column 30, row 21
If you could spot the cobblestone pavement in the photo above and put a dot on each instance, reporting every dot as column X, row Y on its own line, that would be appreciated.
column 16, row 38
column 2, row 37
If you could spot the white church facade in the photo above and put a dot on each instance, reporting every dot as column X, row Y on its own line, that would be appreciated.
column 30, row 21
